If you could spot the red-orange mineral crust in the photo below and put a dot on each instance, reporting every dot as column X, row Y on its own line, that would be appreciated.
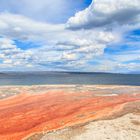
column 26, row 113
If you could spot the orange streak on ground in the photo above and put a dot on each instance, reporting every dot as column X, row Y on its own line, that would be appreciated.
column 25, row 114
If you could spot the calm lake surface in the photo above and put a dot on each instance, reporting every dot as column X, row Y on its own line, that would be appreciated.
column 42, row 78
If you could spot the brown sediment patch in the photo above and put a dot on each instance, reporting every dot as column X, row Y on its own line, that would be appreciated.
column 130, row 107
column 36, row 136
column 65, row 134
column 135, row 122
column 27, row 114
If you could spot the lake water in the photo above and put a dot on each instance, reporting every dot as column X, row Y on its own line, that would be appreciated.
column 42, row 78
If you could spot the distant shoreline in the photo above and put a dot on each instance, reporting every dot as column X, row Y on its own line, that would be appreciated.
column 69, row 72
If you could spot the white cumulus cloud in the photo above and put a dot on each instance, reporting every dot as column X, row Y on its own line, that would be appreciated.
column 106, row 12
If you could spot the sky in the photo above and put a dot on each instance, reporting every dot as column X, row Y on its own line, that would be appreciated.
column 68, row 35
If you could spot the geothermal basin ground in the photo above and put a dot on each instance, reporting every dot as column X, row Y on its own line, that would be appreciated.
column 70, row 112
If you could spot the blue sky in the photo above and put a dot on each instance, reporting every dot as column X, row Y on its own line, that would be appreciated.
column 51, row 11
column 62, row 35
